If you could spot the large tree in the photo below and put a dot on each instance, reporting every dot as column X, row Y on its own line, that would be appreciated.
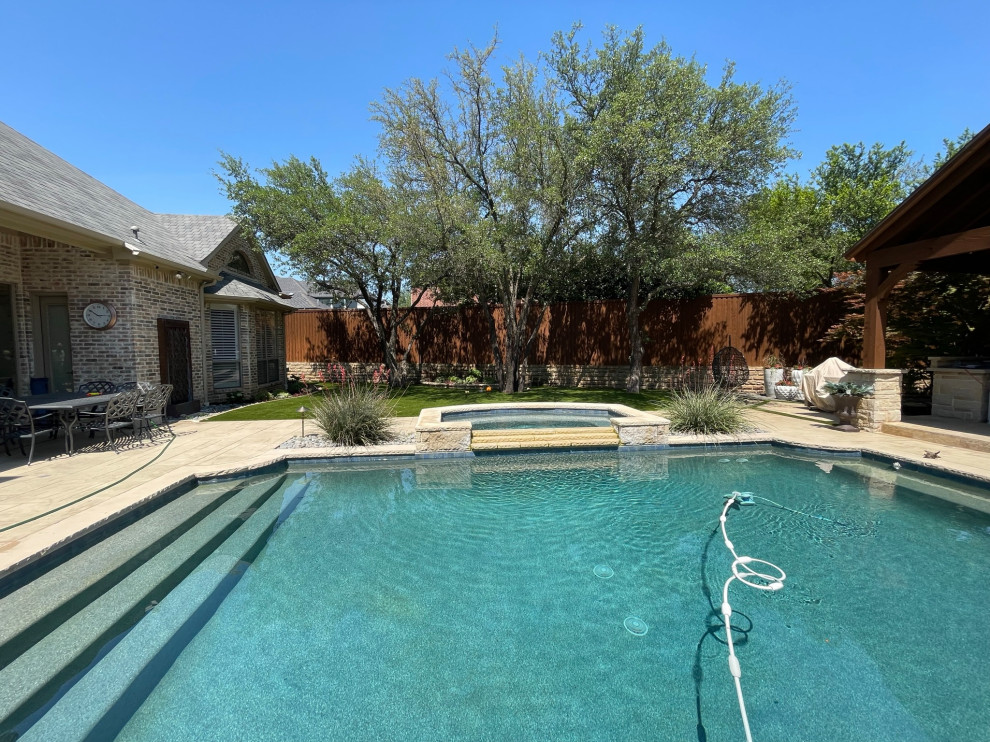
column 358, row 234
column 499, row 159
column 793, row 235
column 929, row 314
column 673, row 156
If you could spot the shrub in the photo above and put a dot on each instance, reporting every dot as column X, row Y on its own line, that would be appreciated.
column 295, row 384
column 706, row 411
column 355, row 415
column 847, row 388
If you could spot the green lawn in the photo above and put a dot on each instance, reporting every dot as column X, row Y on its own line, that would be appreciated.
column 410, row 401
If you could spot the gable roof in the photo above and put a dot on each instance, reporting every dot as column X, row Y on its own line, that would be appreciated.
column 200, row 234
column 955, row 198
column 300, row 293
column 236, row 288
column 40, row 185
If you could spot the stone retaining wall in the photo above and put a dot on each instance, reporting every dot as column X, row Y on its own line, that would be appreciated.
column 614, row 377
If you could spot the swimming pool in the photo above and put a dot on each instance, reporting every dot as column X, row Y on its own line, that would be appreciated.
column 565, row 596
column 519, row 419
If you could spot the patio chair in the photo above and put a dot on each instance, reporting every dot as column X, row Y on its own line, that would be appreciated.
column 117, row 416
column 100, row 387
column 144, row 386
column 17, row 422
column 152, row 415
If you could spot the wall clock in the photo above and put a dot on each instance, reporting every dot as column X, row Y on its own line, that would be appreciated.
column 99, row 315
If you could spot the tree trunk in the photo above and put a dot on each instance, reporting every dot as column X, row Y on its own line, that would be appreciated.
column 510, row 384
column 633, row 312
column 509, row 355
column 493, row 339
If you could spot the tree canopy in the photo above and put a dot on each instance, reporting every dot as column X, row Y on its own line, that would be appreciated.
column 611, row 171
column 672, row 157
column 500, row 159
column 356, row 234
column 793, row 235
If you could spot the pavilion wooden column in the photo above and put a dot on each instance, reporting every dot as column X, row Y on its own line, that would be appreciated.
column 887, row 267
column 874, row 320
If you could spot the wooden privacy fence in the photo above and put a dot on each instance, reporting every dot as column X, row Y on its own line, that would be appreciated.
column 594, row 333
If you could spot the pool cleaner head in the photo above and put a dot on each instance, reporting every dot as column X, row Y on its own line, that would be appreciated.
column 741, row 498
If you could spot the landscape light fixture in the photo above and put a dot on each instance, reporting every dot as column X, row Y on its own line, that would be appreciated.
column 302, row 421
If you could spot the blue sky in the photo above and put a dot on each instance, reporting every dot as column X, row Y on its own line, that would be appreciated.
column 144, row 95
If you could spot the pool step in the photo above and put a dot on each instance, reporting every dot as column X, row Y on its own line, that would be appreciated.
column 30, row 612
column 96, row 707
column 36, row 675
column 536, row 438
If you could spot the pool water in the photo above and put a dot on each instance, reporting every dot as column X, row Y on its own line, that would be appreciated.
column 528, row 418
column 562, row 597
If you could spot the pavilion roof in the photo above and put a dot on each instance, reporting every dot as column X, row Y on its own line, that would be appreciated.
column 956, row 198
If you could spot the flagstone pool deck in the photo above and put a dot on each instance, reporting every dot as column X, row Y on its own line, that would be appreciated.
column 92, row 487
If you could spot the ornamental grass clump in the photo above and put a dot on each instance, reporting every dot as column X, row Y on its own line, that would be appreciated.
column 355, row 415
column 707, row 411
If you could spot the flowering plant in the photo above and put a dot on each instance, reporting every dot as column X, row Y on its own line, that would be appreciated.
column 335, row 373
column 381, row 375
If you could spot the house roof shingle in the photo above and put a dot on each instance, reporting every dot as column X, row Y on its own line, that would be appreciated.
column 199, row 233
column 300, row 293
column 39, row 182
column 238, row 289
column 955, row 198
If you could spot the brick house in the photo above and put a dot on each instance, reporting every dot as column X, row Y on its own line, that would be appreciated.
column 94, row 287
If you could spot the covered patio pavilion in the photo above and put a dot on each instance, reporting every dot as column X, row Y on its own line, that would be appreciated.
column 943, row 226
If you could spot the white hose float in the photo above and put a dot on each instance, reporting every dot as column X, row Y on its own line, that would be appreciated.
column 757, row 573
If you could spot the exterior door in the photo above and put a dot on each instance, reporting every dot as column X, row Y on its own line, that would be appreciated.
column 56, row 345
column 8, row 348
column 175, row 359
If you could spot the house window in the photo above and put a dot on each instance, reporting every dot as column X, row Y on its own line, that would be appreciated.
column 269, row 370
column 226, row 355
column 239, row 262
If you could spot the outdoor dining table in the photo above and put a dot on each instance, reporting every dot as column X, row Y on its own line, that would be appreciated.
column 67, row 405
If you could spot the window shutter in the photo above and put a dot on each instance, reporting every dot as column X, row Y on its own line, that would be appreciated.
column 267, row 350
column 270, row 337
column 223, row 334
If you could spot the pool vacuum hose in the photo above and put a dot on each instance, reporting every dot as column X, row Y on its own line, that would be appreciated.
column 747, row 570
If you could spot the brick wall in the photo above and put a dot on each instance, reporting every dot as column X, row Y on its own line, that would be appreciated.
column 247, row 322
column 142, row 294
column 128, row 351
column 158, row 294
column 236, row 243
column 81, row 276
column 10, row 273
